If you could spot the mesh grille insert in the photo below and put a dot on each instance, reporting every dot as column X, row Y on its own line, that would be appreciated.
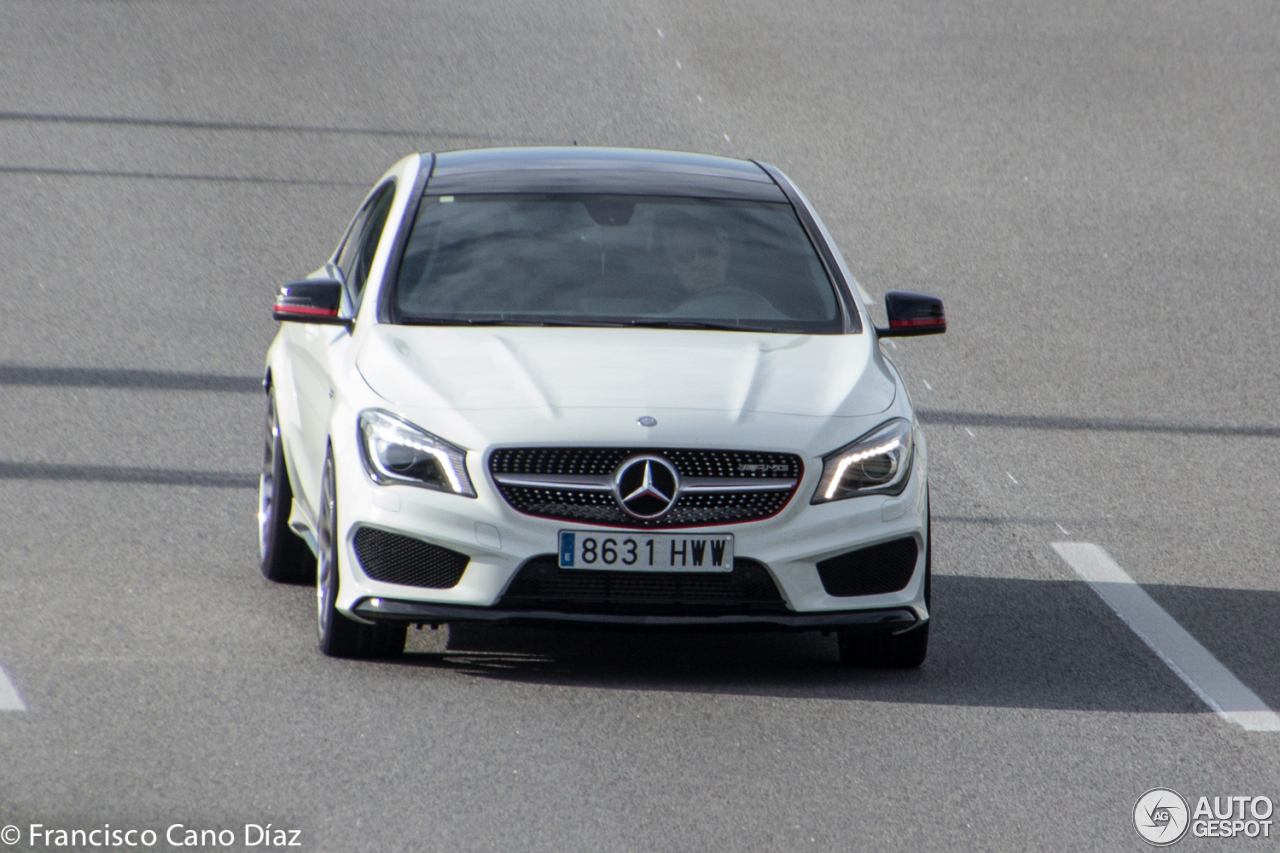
column 602, row 461
column 542, row 585
column 870, row 571
column 393, row 558
column 693, row 508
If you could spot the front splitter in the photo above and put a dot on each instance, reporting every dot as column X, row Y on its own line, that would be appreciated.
column 895, row 620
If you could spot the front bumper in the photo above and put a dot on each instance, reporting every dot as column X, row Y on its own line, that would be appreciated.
column 895, row 620
column 498, row 541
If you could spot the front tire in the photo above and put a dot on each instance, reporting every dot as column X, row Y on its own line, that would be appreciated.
column 340, row 636
column 283, row 556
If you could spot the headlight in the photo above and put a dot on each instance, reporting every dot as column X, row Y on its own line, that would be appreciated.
column 397, row 452
column 877, row 463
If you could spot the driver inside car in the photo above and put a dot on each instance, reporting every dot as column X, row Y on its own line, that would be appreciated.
column 700, row 254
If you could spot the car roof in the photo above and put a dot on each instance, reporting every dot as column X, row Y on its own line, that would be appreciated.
column 621, row 171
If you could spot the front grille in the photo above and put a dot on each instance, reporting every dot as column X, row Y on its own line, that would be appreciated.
column 393, row 558
column 542, row 585
column 601, row 508
column 870, row 571
column 605, row 460
column 726, row 504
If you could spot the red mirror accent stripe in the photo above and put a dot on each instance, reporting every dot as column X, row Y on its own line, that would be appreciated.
column 307, row 310
column 923, row 321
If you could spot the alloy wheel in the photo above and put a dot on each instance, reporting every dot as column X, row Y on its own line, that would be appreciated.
column 326, row 560
column 267, row 480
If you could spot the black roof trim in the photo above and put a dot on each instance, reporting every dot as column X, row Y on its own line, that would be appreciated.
column 622, row 171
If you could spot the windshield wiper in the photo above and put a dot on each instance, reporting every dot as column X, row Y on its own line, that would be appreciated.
column 648, row 323
column 696, row 324
column 481, row 321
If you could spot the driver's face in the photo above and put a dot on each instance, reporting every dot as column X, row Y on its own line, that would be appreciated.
column 700, row 259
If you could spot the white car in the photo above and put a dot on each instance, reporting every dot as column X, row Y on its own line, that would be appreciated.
column 633, row 389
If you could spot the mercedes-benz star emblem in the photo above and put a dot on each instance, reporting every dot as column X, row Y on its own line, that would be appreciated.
column 646, row 486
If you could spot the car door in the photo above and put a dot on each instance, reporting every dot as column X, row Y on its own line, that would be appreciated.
column 318, row 348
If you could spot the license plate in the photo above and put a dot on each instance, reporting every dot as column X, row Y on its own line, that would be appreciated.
column 648, row 552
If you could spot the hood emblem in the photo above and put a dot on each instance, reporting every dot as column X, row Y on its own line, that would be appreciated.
column 647, row 421
column 646, row 486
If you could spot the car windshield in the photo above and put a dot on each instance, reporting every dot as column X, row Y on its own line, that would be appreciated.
column 601, row 260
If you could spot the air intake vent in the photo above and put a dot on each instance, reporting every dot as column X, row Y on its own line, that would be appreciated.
column 393, row 558
column 870, row 571
column 542, row 585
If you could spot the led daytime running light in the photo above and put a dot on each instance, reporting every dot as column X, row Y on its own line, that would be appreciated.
column 879, row 462
column 439, row 455
column 382, row 435
column 858, row 457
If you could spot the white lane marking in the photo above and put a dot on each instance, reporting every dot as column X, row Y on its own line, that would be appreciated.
column 727, row 139
column 1010, row 476
column 678, row 65
column 926, row 384
column 1180, row 651
column 1064, row 530
column 971, row 435
column 660, row 35
column 699, row 99
column 9, row 698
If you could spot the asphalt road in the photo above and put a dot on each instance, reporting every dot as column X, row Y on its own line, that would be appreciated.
column 1091, row 187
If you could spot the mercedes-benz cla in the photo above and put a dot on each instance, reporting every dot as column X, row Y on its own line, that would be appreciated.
column 613, row 387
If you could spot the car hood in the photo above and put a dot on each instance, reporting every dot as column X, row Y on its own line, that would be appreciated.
column 551, row 372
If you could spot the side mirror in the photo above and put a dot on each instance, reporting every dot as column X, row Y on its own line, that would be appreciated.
column 912, row 314
column 315, row 300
